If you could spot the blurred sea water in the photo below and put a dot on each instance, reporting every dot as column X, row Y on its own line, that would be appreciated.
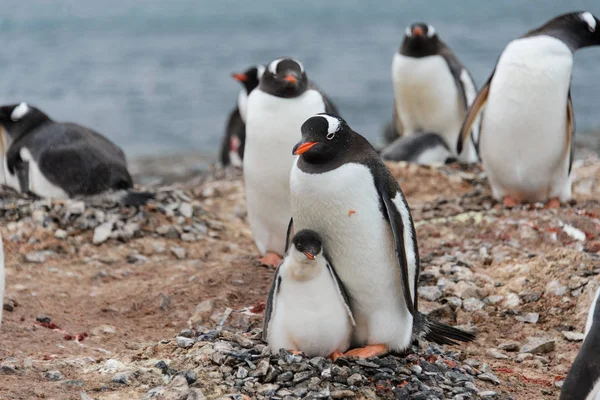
column 154, row 76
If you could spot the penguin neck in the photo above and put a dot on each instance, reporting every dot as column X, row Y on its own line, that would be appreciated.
column 301, row 268
column 424, row 49
column 26, row 126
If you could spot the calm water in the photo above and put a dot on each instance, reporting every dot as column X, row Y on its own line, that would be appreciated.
column 154, row 76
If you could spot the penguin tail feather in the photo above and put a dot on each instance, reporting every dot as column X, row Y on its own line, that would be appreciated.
column 440, row 333
column 134, row 198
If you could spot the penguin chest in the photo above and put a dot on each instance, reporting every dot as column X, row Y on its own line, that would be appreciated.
column 426, row 95
column 524, row 129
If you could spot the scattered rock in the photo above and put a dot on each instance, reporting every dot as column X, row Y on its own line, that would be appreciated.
column 53, row 375
column 573, row 336
column 429, row 293
column 179, row 252
column 555, row 288
column 530, row 318
column 184, row 342
column 472, row 304
column 539, row 346
column 489, row 377
column 510, row 346
column 511, row 301
column 102, row 232
column 496, row 354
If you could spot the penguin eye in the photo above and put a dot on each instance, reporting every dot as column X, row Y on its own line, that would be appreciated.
column 330, row 135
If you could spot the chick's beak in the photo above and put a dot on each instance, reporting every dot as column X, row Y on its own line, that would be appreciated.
column 240, row 77
column 417, row 31
column 309, row 256
column 302, row 147
column 291, row 79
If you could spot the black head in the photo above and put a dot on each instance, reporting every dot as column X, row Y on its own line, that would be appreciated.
column 308, row 242
column 324, row 137
column 18, row 119
column 250, row 78
column 284, row 77
column 420, row 40
column 577, row 29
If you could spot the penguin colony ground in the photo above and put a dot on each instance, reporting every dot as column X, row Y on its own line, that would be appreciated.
column 323, row 208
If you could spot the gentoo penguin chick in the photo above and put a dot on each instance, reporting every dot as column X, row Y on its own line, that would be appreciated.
column 526, row 139
column 424, row 148
column 341, row 188
column 61, row 160
column 432, row 89
column 277, row 108
column 583, row 379
column 232, row 148
column 307, row 309
column 1, row 279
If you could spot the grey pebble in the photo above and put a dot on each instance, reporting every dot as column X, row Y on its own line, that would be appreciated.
column 285, row 377
column 53, row 375
column 429, row 293
column 489, row 377
column 539, row 346
column 179, row 252
column 472, row 304
column 355, row 380
column 184, row 342
column 122, row 377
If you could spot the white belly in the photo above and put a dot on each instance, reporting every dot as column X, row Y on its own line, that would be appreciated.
column 524, row 141
column 272, row 130
column 427, row 98
column 360, row 246
column 309, row 316
column 38, row 183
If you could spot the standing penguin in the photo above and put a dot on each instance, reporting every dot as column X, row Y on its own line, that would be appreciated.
column 432, row 89
column 232, row 147
column 583, row 380
column 61, row 160
column 526, row 140
column 341, row 188
column 307, row 309
column 277, row 108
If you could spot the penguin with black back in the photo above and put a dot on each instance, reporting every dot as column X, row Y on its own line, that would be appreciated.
column 528, row 126
column 340, row 188
column 232, row 147
column 62, row 160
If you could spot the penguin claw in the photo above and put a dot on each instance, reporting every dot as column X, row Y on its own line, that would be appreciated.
column 509, row 201
column 553, row 203
column 335, row 355
column 373, row 350
column 270, row 260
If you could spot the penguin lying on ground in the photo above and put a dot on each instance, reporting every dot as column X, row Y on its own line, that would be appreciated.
column 277, row 108
column 424, row 148
column 432, row 90
column 527, row 129
column 232, row 147
column 341, row 188
column 307, row 309
column 61, row 160
column 583, row 380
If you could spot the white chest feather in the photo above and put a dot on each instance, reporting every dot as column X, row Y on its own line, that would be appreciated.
column 590, row 317
column 524, row 139
column 343, row 206
column 272, row 130
column 595, row 393
column 309, row 316
column 242, row 102
column 426, row 96
column 38, row 183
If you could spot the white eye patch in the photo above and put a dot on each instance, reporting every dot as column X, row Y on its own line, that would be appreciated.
column 590, row 20
column 19, row 111
column 333, row 125
column 260, row 71
column 408, row 32
column 430, row 31
column 274, row 64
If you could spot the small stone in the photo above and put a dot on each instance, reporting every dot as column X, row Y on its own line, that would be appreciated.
column 511, row 301
column 530, row 318
column 267, row 390
column 318, row 362
column 555, row 288
column 261, row 369
column 416, row 369
column 53, row 375
column 342, row 394
column 190, row 376
column 186, row 210
column 75, row 207
column 471, row 387
column 102, row 232
column 489, row 377
column 184, row 342
column 488, row 394
column 60, row 234
column 429, row 293
column 302, row 376
column 576, row 282
column 510, row 346
column 529, row 296
column 472, row 304
column 300, row 391
column 493, row 300
column 573, row 336
column 326, row 374
column 188, row 237
column 539, row 346
column 43, row 319
column 36, row 257
column 122, row 377
column 179, row 252
column 496, row 354
column 355, row 380
column 242, row 373
column 285, row 377
column 187, row 333
column 523, row 357
column 454, row 302
column 73, row 382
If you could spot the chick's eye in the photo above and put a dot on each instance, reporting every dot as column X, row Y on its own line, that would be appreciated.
column 330, row 135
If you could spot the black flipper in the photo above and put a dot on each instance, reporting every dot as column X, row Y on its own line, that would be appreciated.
column 570, row 130
column 22, row 170
column 288, row 234
column 271, row 301
column 341, row 289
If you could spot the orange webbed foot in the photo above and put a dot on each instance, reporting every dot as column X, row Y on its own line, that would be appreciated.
column 553, row 203
column 270, row 259
column 509, row 201
column 373, row 350
column 335, row 355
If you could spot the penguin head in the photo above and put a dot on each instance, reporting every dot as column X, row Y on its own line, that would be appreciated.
column 420, row 39
column 18, row 119
column 308, row 243
column 324, row 136
column 577, row 29
column 284, row 77
column 250, row 78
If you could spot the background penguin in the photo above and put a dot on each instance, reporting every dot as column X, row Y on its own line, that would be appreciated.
column 526, row 139
column 307, row 309
column 1, row 279
column 62, row 160
column 432, row 89
column 340, row 187
column 583, row 380
column 424, row 148
column 232, row 147
column 277, row 108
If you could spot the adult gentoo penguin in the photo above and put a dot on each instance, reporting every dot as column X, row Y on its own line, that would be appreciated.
column 61, row 160
column 432, row 89
column 277, row 108
column 583, row 380
column 424, row 148
column 307, row 308
column 526, row 140
column 232, row 148
column 341, row 188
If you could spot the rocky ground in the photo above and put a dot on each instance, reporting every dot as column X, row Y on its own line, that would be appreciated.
column 166, row 301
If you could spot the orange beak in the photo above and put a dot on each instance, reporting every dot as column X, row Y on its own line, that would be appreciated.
column 291, row 79
column 417, row 31
column 240, row 77
column 309, row 256
column 303, row 148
